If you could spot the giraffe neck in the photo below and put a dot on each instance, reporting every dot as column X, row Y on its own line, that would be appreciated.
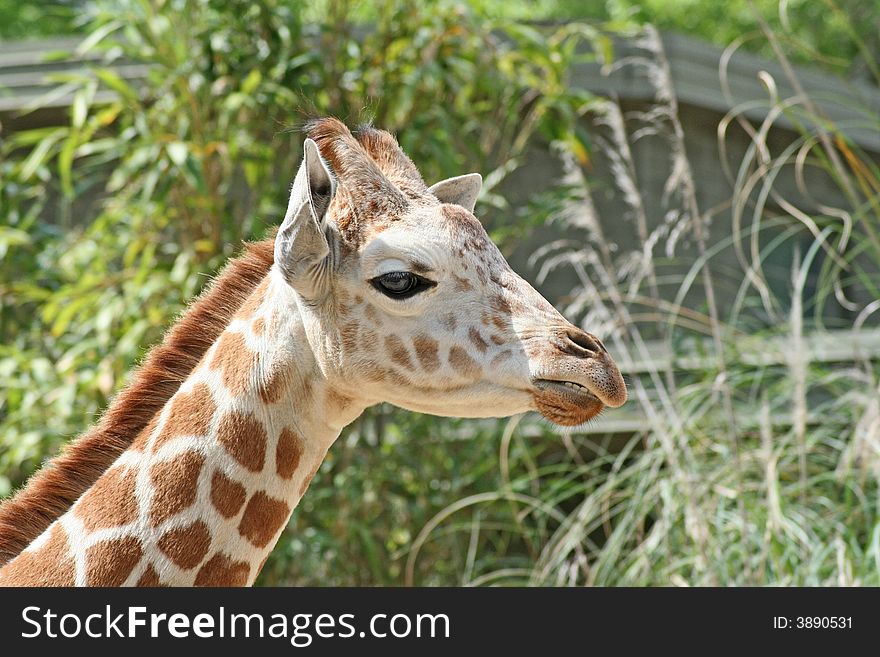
column 205, row 491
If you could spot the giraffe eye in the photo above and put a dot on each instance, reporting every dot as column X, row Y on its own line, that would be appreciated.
column 401, row 284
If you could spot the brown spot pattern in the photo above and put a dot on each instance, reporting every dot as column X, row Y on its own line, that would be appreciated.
column 51, row 565
column 149, row 578
column 398, row 352
column 394, row 377
column 175, row 483
column 500, row 304
column 227, row 495
column 109, row 563
column 449, row 321
column 110, row 502
column 371, row 314
column 464, row 223
column 190, row 415
column 368, row 337
column 462, row 284
column 371, row 370
column 235, row 361
column 263, row 517
column 140, row 443
column 349, row 336
column 273, row 389
column 478, row 340
column 220, row 570
column 427, row 352
column 258, row 326
column 186, row 546
column 462, row 363
column 288, row 452
column 337, row 400
column 244, row 438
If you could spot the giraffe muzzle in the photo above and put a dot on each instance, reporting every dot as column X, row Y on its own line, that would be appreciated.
column 578, row 380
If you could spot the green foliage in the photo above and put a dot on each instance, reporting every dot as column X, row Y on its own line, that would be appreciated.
column 840, row 35
column 23, row 19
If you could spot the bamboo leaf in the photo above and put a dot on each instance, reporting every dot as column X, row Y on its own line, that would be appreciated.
column 115, row 82
column 38, row 155
column 65, row 163
column 96, row 36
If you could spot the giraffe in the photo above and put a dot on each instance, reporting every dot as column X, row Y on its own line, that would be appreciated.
column 375, row 288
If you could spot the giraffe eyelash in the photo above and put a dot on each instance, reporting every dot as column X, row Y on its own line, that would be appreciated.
column 401, row 284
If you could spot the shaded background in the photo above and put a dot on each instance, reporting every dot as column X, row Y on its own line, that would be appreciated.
column 705, row 196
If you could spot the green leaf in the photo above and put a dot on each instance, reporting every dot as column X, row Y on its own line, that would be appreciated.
column 56, row 56
column 115, row 82
column 11, row 237
column 108, row 115
column 251, row 82
column 79, row 109
column 38, row 156
column 97, row 36
column 67, row 313
column 65, row 163
column 193, row 171
column 52, row 96
column 178, row 152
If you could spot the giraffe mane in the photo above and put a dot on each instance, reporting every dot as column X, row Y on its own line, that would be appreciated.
column 53, row 489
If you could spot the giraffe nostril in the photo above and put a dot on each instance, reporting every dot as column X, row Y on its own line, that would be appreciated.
column 584, row 340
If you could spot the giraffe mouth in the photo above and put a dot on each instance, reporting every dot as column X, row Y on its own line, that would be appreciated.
column 565, row 402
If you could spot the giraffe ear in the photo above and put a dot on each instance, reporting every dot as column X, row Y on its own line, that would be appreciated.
column 303, row 243
column 461, row 190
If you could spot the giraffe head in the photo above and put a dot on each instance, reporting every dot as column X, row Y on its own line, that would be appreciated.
column 405, row 299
